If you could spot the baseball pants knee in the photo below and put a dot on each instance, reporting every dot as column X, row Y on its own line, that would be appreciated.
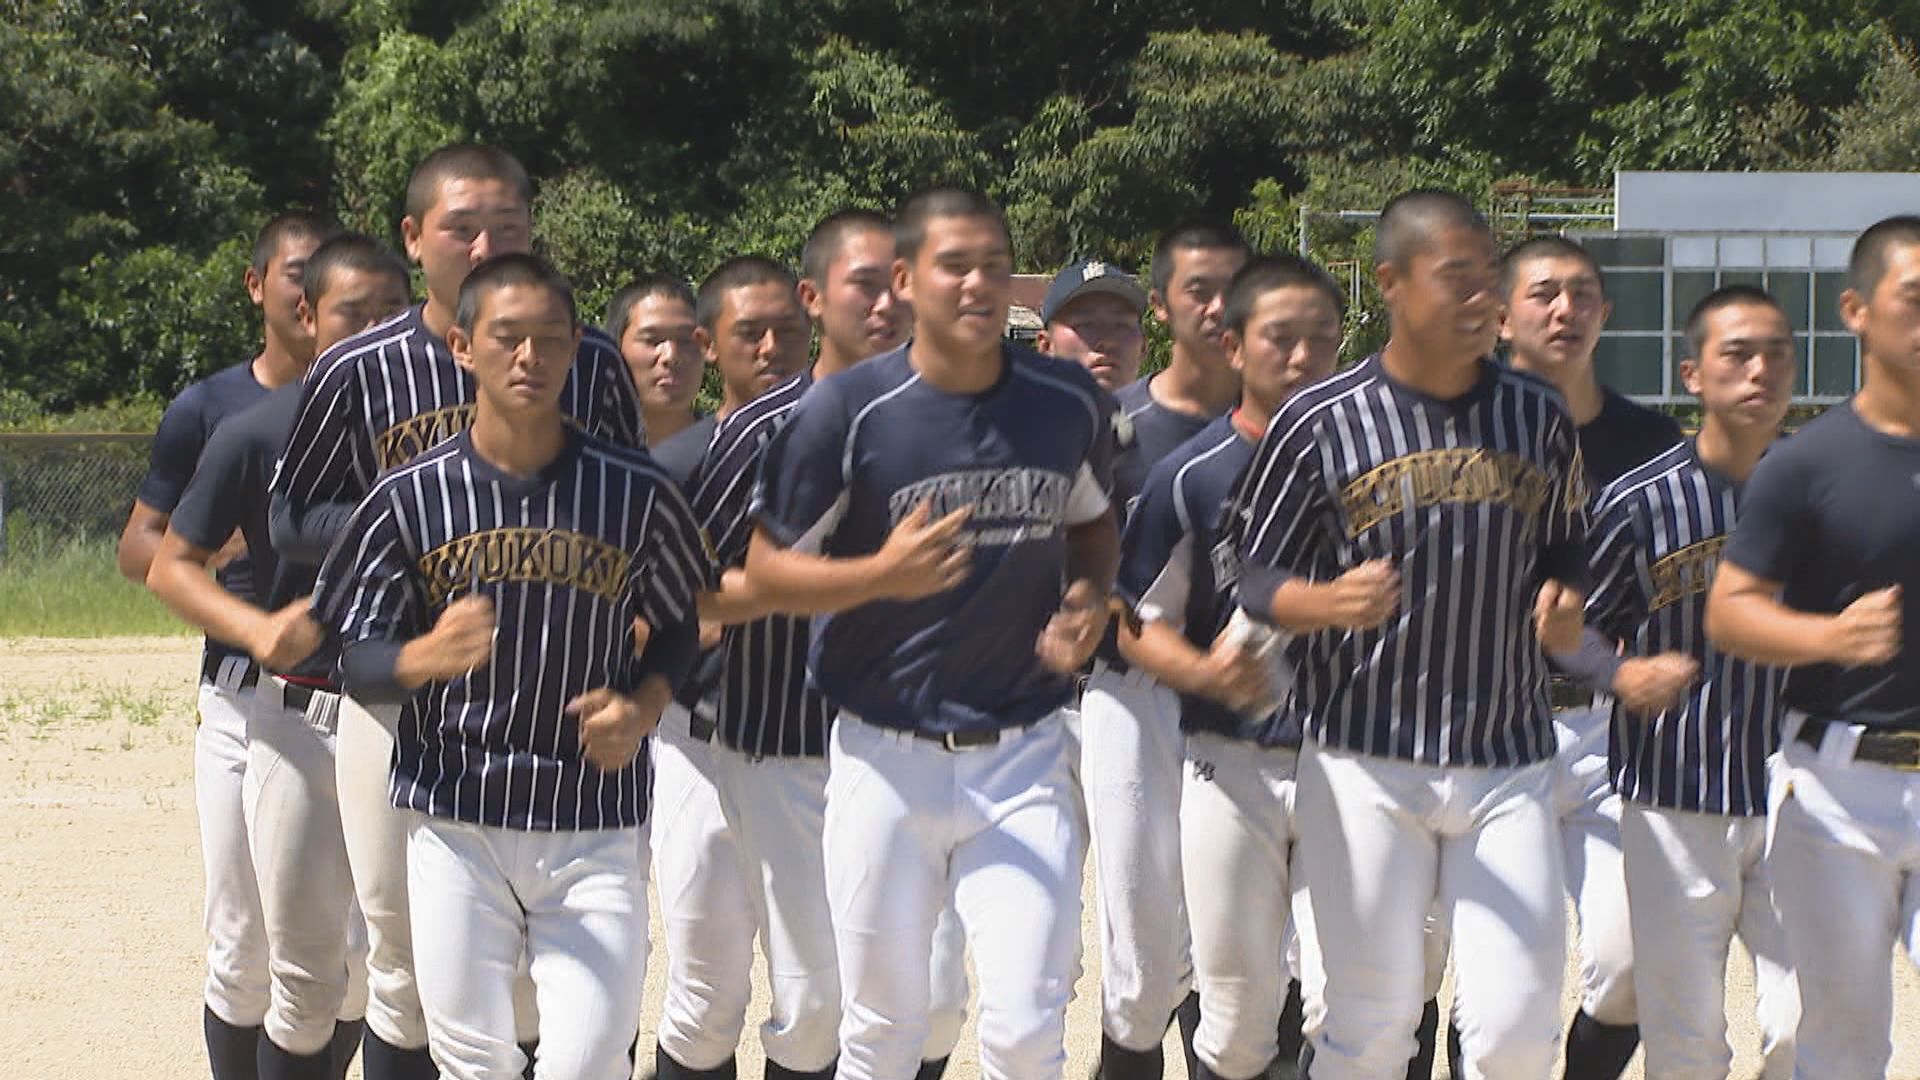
column 1236, row 839
column 237, row 980
column 300, row 857
column 1131, row 765
column 1695, row 881
column 909, row 823
column 1843, row 855
column 1379, row 841
column 574, row 902
column 1590, row 848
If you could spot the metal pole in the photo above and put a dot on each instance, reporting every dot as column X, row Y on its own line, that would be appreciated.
column 1303, row 230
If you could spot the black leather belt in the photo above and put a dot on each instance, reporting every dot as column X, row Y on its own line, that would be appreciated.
column 701, row 728
column 969, row 740
column 1894, row 749
column 1563, row 693
column 299, row 695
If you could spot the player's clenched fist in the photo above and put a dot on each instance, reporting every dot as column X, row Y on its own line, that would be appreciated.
column 1867, row 632
column 1070, row 637
column 1363, row 597
column 1653, row 684
column 922, row 557
column 287, row 637
column 461, row 639
column 611, row 727
column 1559, row 614
column 1235, row 672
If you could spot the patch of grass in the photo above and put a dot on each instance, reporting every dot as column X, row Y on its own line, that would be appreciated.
column 75, row 590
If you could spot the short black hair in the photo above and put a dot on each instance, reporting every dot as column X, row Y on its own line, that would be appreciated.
column 350, row 251
column 289, row 225
column 1409, row 220
column 830, row 235
column 1725, row 296
column 503, row 271
column 1549, row 246
column 1868, row 263
column 620, row 308
column 737, row 272
column 1189, row 234
column 464, row 161
column 910, row 224
column 1263, row 274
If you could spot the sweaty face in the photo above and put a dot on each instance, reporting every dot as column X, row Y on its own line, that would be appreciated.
column 1889, row 323
column 1445, row 301
column 521, row 348
column 1195, row 299
column 472, row 220
column 1554, row 315
column 858, row 313
column 278, row 293
column 759, row 339
column 1744, row 373
column 1101, row 332
column 1292, row 340
column 959, row 283
column 355, row 300
column 660, row 351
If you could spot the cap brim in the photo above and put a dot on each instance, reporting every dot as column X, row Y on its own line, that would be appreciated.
column 1113, row 285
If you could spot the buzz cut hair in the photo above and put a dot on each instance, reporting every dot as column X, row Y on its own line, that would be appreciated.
column 1726, row 296
column 285, row 226
column 1187, row 236
column 505, row 271
column 910, row 224
column 1548, row 246
column 464, row 161
column 830, row 236
column 1263, row 274
column 350, row 251
column 1868, row 264
column 665, row 286
column 739, row 272
column 1409, row 220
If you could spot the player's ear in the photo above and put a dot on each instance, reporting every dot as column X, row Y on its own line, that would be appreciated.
column 1157, row 303
column 1853, row 311
column 903, row 280
column 703, row 338
column 309, row 319
column 812, row 299
column 1386, row 277
column 410, row 237
column 256, row 283
column 461, row 344
column 1690, row 375
column 1043, row 342
column 1230, row 340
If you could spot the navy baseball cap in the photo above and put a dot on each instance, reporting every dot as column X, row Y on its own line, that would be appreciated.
column 1091, row 276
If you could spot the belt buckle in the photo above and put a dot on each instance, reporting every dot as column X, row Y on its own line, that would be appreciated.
column 1903, row 749
column 957, row 741
column 950, row 740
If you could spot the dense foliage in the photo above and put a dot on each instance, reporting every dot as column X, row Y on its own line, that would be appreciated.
column 141, row 141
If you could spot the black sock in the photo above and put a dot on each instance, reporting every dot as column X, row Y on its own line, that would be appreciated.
column 1292, row 1034
column 666, row 1068
column 278, row 1064
column 233, row 1052
column 1420, row 1065
column 932, row 1069
column 345, row 1044
column 381, row 1060
column 1119, row 1063
column 1597, row 1051
column 529, row 1049
column 777, row 1071
column 1456, row 1057
column 1188, row 1017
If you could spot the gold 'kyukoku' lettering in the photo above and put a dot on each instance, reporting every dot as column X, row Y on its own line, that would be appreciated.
column 526, row 556
column 1432, row 477
column 1686, row 572
column 410, row 438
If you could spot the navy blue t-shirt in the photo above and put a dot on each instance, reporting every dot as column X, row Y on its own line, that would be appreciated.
column 185, row 428
column 1624, row 436
column 1832, row 514
column 1148, row 431
column 1033, row 457
column 681, row 453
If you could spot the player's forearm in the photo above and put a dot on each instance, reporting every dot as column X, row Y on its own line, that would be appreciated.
column 735, row 602
column 1594, row 665
column 1759, row 628
column 306, row 535
column 1163, row 652
column 182, row 582
column 1302, row 606
column 139, row 543
column 789, row 581
column 1093, row 552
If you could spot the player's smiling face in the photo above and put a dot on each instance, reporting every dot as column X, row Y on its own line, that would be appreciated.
column 474, row 219
column 659, row 348
column 1292, row 340
column 1196, row 298
column 960, row 283
column 858, row 312
column 1554, row 315
column 1744, row 373
column 1445, row 301
column 522, row 346
column 759, row 339
column 353, row 301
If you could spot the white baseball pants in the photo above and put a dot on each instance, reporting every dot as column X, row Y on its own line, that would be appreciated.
column 1844, row 855
column 1379, row 842
column 1695, row 881
column 237, row 980
column 1132, row 758
column 1590, row 838
column 909, row 824
column 316, row 944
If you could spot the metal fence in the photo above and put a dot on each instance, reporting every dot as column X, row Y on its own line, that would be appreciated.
column 59, row 489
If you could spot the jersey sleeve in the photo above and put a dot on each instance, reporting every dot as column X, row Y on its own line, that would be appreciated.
column 214, row 502
column 1770, row 538
column 328, row 459
column 722, row 500
column 1156, row 552
column 802, row 491
column 177, row 445
column 676, row 567
column 1092, row 492
column 1563, row 537
column 1280, row 518
column 369, row 588
column 616, row 404
column 1617, row 607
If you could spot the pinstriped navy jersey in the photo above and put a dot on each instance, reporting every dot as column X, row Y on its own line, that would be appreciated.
column 382, row 397
column 767, row 706
column 1032, row 457
column 1178, row 564
column 1476, row 501
column 569, row 558
column 1658, row 533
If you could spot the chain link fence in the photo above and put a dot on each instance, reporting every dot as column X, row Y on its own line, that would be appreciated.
column 57, row 490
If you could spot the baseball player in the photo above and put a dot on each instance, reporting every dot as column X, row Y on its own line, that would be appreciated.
column 1178, row 569
column 652, row 321
column 498, row 586
column 1092, row 316
column 942, row 510
column 1820, row 574
column 299, row 856
column 374, row 402
column 1556, row 308
column 1692, row 727
column 236, row 990
column 1131, row 756
column 1420, row 520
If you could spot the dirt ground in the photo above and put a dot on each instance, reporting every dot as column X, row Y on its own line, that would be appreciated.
column 100, row 952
